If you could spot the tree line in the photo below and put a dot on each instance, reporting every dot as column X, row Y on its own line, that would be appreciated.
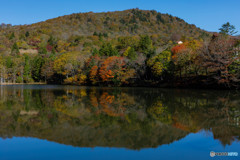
column 132, row 60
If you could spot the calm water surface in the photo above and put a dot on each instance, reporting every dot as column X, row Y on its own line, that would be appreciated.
column 69, row 122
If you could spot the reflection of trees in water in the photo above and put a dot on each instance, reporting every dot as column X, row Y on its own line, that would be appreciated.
column 132, row 118
column 217, row 112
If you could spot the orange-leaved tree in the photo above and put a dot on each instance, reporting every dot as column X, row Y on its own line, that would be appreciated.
column 93, row 74
column 111, row 68
column 93, row 65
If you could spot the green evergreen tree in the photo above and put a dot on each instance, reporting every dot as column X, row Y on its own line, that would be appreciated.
column 53, row 51
column 27, row 34
column 228, row 29
column 145, row 44
column 108, row 50
column 95, row 34
column 132, row 54
column 51, row 41
column 105, row 35
column 12, row 36
column 95, row 52
column 100, row 37
column 9, row 62
column 36, row 68
column 15, row 49
column 27, row 70
column 42, row 50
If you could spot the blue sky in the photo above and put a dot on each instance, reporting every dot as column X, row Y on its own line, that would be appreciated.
column 206, row 14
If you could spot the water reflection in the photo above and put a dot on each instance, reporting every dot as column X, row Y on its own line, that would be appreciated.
column 133, row 118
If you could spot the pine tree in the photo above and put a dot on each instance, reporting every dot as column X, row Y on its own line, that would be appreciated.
column 27, row 70
column 36, row 68
column 12, row 36
column 95, row 34
column 228, row 29
column 95, row 52
column 27, row 34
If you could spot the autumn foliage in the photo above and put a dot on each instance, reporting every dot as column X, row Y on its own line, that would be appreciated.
column 93, row 74
column 111, row 68
column 178, row 49
column 128, row 48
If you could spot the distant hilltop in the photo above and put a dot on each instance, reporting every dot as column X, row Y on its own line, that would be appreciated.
column 118, row 23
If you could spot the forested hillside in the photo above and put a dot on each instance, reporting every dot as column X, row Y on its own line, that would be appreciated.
column 119, row 23
column 132, row 47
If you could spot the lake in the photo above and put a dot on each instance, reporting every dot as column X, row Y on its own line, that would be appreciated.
column 72, row 122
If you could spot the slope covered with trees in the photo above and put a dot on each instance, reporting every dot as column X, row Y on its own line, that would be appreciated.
column 119, row 23
column 132, row 47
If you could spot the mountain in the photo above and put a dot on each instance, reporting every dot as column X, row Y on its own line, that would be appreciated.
column 112, row 24
column 84, row 47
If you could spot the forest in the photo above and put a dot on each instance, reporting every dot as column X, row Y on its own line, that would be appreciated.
column 123, row 48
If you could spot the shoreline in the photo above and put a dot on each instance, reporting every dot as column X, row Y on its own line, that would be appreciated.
column 130, row 86
column 6, row 84
column 185, row 83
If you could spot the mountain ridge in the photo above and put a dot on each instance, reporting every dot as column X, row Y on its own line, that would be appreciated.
column 127, row 22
